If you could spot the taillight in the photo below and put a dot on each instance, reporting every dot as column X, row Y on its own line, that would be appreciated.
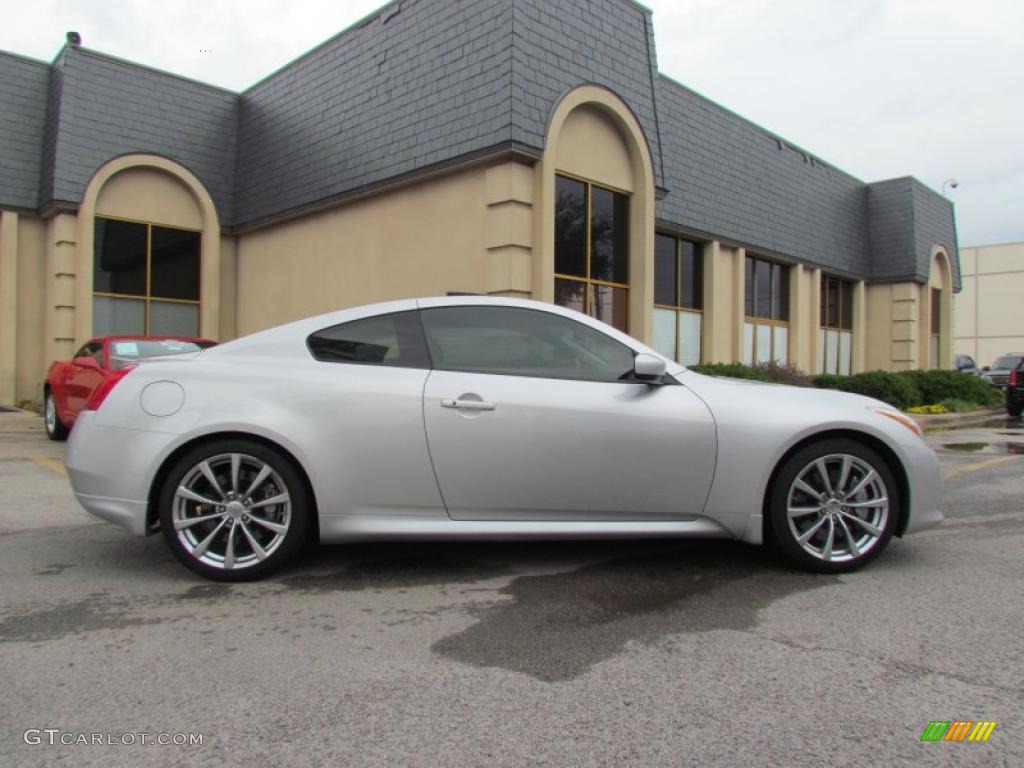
column 1013, row 377
column 106, row 387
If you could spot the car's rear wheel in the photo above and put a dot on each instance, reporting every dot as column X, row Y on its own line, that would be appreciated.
column 834, row 506
column 55, row 429
column 234, row 510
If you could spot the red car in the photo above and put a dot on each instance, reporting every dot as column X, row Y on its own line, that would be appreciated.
column 69, row 384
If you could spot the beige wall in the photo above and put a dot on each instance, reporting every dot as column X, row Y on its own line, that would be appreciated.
column 467, row 231
column 987, row 316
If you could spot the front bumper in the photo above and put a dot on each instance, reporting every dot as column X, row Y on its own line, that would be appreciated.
column 111, row 470
column 925, row 483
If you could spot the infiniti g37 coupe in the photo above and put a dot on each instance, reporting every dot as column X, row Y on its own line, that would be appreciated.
column 485, row 418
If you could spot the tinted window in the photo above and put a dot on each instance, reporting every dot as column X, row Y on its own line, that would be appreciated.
column 175, row 264
column 570, row 227
column 395, row 340
column 120, row 260
column 522, row 342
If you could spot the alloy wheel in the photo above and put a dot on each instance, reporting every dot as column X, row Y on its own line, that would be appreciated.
column 837, row 508
column 231, row 511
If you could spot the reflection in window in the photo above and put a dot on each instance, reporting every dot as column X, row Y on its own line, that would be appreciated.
column 678, row 299
column 522, row 342
column 835, row 334
column 592, row 250
column 766, row 330
column 145, row 279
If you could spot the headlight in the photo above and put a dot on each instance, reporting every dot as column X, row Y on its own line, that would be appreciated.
column 903, row 419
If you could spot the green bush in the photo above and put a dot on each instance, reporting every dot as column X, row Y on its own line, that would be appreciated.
column 896, row 390
column 731, row 370
column 773, row 372
column 936, row 386
column 957, row 391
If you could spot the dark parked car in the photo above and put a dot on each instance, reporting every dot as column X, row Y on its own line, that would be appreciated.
column 1015, row 390
column 966, row 364
column 999, row 374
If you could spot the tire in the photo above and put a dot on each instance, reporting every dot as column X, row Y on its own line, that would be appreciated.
column 830, row 511
column 215, row 515
column 55, row 429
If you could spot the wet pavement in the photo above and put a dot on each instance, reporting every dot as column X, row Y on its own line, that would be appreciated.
column 554, row 653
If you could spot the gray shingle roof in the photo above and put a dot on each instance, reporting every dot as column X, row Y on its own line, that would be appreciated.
column 728, row 177
column 907, row 219
column 560, row 44
column 110, row 108
column 419, row 83
column 23, row 96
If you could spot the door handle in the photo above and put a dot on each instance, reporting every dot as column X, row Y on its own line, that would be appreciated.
column 467, row 405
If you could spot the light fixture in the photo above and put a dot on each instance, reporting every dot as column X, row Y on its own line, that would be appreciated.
column 951, row 183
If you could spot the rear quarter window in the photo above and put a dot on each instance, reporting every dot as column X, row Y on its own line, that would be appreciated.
column 394, row 340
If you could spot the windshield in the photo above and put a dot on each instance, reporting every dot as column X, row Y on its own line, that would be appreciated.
column 1007, row 361
column 124, row 352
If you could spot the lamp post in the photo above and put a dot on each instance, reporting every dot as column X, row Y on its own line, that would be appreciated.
column 951, row 183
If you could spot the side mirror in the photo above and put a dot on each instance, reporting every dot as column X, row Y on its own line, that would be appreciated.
column 648, row 368
column 87, row 362
column 986, row 368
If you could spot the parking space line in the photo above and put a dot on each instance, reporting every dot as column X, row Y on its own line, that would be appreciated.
column 978, row 465
column 50, row 463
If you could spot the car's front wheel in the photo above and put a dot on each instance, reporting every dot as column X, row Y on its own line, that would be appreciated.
column 234, row 510
column 55, row 429
column 834, row 506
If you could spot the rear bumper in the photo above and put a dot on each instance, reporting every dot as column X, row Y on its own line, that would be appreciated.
column 111, row 470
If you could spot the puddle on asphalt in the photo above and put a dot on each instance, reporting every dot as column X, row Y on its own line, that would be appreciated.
column 997, row 448
column 557, row 626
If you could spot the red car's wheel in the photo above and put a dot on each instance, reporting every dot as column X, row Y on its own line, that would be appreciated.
column 55, row 429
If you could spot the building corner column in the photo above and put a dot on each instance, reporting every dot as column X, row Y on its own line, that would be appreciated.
column 8, row 306
column 739, row 299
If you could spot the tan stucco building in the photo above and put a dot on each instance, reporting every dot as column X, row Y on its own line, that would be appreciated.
column 989, row 321
column 430, row 150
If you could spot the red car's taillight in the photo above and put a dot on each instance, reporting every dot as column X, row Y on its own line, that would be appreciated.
column 1013, row 377
column 106, row 387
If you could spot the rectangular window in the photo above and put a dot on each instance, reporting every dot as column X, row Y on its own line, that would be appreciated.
column 145, row 279
column 678, row 298
column 936, row 325
column 835, row 335
column 766, row 331
column 592, row 250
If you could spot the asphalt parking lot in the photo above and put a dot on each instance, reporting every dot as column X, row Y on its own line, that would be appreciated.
column 554, row 654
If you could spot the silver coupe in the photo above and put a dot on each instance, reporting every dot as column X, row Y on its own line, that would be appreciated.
column 485, row 418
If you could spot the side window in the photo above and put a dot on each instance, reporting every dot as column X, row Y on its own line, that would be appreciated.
column 85, row 351
column 96, row 352
column 392, row 340
column 522, row 342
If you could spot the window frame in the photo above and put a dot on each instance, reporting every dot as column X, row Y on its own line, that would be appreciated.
column 149, row 298
column 678, row 307
column 589, row 281
column 784, row 301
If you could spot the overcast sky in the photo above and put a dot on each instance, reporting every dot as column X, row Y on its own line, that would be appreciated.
column 879, row 88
